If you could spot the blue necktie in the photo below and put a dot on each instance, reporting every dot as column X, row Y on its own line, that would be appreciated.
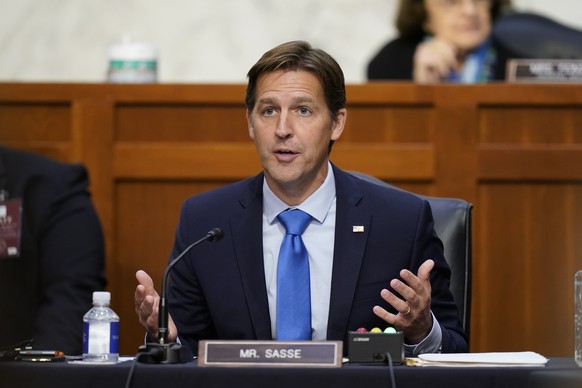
column 293, row 295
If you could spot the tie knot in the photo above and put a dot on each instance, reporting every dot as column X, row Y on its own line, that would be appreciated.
column 295, row 221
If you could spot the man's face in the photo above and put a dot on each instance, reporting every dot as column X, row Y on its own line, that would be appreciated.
column 464, row 23
column 292, row 129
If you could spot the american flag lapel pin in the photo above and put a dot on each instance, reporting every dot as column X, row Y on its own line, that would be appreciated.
column 358, row 229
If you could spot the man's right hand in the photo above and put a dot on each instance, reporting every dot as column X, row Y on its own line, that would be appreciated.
column 146, row 307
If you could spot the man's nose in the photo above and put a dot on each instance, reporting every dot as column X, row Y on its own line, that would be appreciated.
column 284, row 128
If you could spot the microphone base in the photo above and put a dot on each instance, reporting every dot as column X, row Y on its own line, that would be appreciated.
column 172, row 353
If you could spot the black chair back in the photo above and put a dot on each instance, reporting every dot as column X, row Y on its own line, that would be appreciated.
column 532, row 36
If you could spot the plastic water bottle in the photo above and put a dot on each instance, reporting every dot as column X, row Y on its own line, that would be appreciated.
column 101, row 330
column 578, row 318
column 132, row 62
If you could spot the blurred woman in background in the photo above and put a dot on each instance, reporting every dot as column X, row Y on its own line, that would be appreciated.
column 443, row 41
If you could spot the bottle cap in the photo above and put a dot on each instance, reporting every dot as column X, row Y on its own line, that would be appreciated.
column 133, row 51
column 101, row 297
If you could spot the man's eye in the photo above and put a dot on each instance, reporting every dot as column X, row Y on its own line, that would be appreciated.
column 304, row 111
column 268, row 112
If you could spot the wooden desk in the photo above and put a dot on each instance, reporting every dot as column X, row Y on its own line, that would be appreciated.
column 514, row 151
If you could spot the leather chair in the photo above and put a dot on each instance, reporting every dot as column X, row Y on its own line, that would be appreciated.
column 534, row 36
column 452, row 222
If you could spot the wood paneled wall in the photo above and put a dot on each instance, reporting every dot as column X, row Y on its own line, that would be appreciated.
column 514, row 151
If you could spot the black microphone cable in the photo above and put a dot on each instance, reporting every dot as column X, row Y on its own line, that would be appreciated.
column 152, row 355
column 391, row 369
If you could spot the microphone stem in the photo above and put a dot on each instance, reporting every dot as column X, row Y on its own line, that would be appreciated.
column 163, row 308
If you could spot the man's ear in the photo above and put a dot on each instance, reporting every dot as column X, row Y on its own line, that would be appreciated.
column 339, row 124
column 250, row 125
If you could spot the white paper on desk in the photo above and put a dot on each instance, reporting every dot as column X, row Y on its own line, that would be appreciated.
column 483, row 359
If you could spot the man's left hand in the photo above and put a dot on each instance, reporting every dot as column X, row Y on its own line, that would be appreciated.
column 414, row 317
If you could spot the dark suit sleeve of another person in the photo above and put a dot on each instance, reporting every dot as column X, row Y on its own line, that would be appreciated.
column 394, row 61
column 62, row 251
column 72, row 264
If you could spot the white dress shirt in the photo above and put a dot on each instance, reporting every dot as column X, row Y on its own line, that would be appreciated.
column 318, row 238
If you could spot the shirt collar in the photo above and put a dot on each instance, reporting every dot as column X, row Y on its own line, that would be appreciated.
column 317, row 205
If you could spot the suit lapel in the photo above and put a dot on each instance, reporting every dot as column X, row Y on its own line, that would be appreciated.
column 351, row 232
column 247, row 231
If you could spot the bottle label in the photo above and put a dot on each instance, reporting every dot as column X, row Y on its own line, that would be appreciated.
column 114, row 337
column 142, row 71
column 139, row 64
column 101, row 338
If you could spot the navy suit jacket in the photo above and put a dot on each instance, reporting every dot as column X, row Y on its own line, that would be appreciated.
column 218, row 290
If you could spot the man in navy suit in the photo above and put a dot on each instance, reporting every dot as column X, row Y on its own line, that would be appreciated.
column 374, row 258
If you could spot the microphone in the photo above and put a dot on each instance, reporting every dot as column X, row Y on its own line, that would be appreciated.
column 165, row 352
